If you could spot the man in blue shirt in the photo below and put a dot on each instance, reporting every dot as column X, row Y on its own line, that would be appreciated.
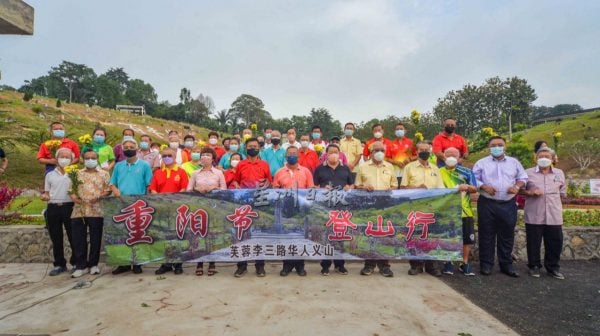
column 274, row 155
column 130, row 177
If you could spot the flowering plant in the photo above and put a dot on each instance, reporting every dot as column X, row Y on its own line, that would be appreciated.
column 201, row 143
column 319, row 149
column 163, row 146
column 53, row 145
column 419, row 136
column 254, row 126
column 85, row 139
column 71, row 171
column 556, row 137
column 415, row 117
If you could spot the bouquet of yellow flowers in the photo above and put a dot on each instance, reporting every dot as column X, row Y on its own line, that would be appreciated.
column 319, row 149
column 254, row 126
column 419, row 136
column 201, row 143
column 415, row 117
column 53, row 145
column 71, row 171
column 85, row 139
column 488, row 131
column 163, row 146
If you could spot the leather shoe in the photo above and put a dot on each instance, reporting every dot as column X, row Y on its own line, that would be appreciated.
column 485, row 271
column 511, row 272
column 137, row 269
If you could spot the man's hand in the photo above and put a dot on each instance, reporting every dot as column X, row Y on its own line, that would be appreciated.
column 45, row 197
column 513, row 190
column 463, row 187
column 489, row 189
column 536, row 192
column 369, row 188
column 116, row 192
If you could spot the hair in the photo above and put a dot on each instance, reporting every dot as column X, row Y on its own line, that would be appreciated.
column 424, row 142
column 449, row 118
column 307, row 135
column 376, row 125
column 65, row 149
column 538, row 145
column 315, row 127
column 99, row 129
column 334, row 138
column 401, row 124
column 495, row 137
column 349, row 123
column 128, row 129
column 225, row 139
column 173, row 132
column 290, row 147
column 56, row 123
column 155, row 144
column 234, row 139
column 189, row 136
column 208, row 150
column 235, row 154
column 452, row 149
column 331, row 146
column 211, row 133
column 145, row 136
column 89, row 150
column 132, row 141
column 253, row 139
column 267, row 128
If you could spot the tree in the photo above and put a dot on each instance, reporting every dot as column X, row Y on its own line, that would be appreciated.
column 141, row 93
column 248, row 109
column 119, row 76
column 322, row 118
column 77, row 78
column 206, row 101
column 583, row 152
column 109, row 92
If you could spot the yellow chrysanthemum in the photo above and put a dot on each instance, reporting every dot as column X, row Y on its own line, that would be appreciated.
column 319, row 148
column 201, row 143
column 419, row 136
column 557, row 134
column 415, row 116
column 163, row 146
column 71, row 168
column 85, row 139
column 254, row 126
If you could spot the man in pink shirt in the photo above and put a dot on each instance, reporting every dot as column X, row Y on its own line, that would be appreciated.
column 293, row 176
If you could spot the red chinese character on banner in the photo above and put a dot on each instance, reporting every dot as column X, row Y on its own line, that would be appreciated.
column 417, row 218
column 379, row 231
column 340, row 221
column 242, row 219
column 198, row 221
column 137, row 218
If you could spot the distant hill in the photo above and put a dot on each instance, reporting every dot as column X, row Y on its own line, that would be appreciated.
column 25, row 124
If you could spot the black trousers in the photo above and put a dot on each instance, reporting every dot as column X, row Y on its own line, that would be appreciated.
column 291, row 264
column 553, row 244
column 57, row 217
column 429, row 265
column 256, row 263
column 336, row 263
column 497, row 221
column 371, row 263
column 80, row 228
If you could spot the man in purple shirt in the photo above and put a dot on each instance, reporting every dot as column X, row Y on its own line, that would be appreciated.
column 128, row 134
column 499, row 178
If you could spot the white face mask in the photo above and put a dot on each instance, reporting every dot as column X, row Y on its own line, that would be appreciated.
column 91, row 163
column 544, row 162
column 378, row 156
column 174, row 145
column 234, row 163
column 212, row 141
column 63, row 162
column 188, row 144
column 154, row 150
column 304, row 144
column 377, row 135
column 451, row 161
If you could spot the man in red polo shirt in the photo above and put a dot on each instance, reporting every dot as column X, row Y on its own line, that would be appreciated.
column 307, row 157
column 251, row 173
column 169, row 179
column 447, row 139
column 401, row 151
column 45, row 155
column 377, row 136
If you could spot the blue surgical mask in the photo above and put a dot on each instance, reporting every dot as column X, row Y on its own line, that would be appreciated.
column 399, row 133
column 268, row 136
column 127, row 137
column 195, row 156
column 58, row 133
column 234, row 148
column 292, row 159
column 497, row 151
column 99, row 139
column 316, row 135
column 144, row 145
column 348, row 132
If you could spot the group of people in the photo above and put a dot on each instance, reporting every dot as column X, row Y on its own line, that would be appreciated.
column 246, row 161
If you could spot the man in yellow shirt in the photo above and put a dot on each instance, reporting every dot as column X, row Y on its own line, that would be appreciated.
column 422, row 174
column 351, row 147
column 376, row 174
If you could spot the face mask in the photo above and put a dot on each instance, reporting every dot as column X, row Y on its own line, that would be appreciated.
column 213, row 141
column 543, row 162
column 188, row 144
column 316, row 136
column 424, row 155
column 276, row 141
column 377, row 135
column 292, row 160
column 348, row 132
column 399, row 133
column 252, row 152
column 304, row 144
column 127, row 137
column 195, row 156
column 379, row 156
column 58, row 133
column 174, row 145
column 449, row 129
column 261, row 144
column 234, row 148
column 154, row 150
column 91, row 163
column 144, row 145
column 64, row 162
column 497, row 151
column 168, row 160
column 130, row 153
column 99, row 139
column 451, row 161
column 268, row 136
column 333, row 157
column 234, row 163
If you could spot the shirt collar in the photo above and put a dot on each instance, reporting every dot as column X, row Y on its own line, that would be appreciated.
column 537, row 169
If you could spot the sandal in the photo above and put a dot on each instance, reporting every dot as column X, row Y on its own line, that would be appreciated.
column 199, row 271
column 212, row 270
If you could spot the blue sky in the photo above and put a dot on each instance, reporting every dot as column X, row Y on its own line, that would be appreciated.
column 359, row 59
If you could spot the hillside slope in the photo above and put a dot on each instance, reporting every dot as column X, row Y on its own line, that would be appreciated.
column 26, row 124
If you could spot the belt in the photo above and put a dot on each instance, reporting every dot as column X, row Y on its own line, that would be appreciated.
column 62, row 204
column 497, row 201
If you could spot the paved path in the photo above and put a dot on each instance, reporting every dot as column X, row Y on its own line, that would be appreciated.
column 32, row 303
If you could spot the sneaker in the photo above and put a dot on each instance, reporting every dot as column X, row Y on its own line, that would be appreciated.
column 415, row 271
column 57, row 270
column 466, row 269
column 341, row 270
column 534, row 272
column 137, row 269
column 260, row 271
column 78, row 273
column 448, row 269
column 556, row 274
column 94, row 270
column 325, row 271
column 387, row 272
column 366, row 271
column 240, row 271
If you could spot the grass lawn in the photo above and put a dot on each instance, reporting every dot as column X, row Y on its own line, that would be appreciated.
column 28, row 205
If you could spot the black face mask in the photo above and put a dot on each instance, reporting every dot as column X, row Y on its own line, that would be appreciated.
column 424, row 155
column 261, row 144
column 275, row 141
column 130, row 153
column 449, row 129
column 252, row 152
column 226, row 147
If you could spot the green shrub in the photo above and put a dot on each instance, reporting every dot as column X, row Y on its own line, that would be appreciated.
column 28, row 96
column 58, row 103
